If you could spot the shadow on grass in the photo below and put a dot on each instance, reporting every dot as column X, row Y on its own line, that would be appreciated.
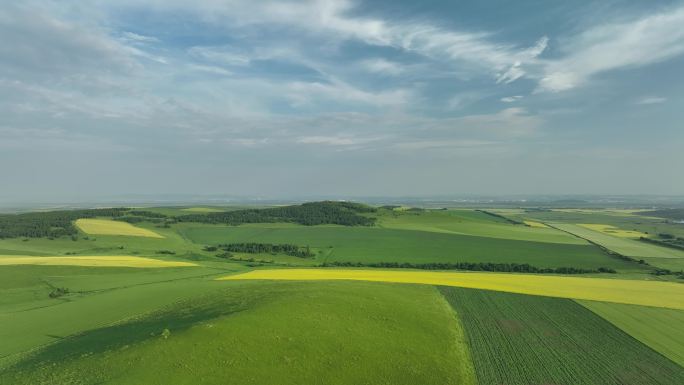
column 160, row 324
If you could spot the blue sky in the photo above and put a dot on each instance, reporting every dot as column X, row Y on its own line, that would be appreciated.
column 340, row 97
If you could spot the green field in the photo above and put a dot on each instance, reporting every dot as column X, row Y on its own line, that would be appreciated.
column 189, row 311
column 469, row 222
column 86, row 244
column 659, row 328
column 623, row 219
column 658, row 256
column 261, row 333
column 29, row 318
column 518, row 339
column 624, row 246
column 374, row 244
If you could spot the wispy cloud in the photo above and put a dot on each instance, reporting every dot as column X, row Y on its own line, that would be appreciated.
column 335, row 20
column 382, row 66
column 651, row 100
column 305, row 93
column 511, row 99
column 627, row 44
column 136, row 38
column 225, row 55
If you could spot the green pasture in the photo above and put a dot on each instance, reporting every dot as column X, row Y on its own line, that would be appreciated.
column 29, row 318
column 375, row 244
column 269, row 333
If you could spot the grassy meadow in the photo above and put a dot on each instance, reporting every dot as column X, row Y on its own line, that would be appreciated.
column 152, row 296
column 277, row 333
column 371, row 244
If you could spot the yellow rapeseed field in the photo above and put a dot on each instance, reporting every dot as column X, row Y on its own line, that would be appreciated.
column 108, row 227
column 536, row 224
column 649, row 293
column 612, row 230
column 93, row 260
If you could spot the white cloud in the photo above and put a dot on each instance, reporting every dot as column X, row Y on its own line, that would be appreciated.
column 651, row 100
column 432, row 144
column 136, row 38
column 507, row 122
column 516, row 71
column 511, row 99
column 627, row 44
column 221, row 55
column 305, row 93
column 332, row 20
column 382, row 66
column 327, row 140
column 38, row 44
column 210, row 69
column 512, row 74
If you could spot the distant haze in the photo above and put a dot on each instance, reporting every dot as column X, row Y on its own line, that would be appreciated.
column 338, row 98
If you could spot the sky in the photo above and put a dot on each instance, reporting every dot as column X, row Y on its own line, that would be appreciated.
column 340, row 98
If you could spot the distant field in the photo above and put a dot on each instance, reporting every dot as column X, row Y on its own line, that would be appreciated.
column 373, row 244
column 470, row 222
column 536, row 224
column 650, row 293
column 203, row 209
column 624, row 219
column 629, row 247
column 614, row 231
column 109, row 227
column 661, row 329
column 101, row 261
column 101, row 245
column 269, row 333
column 521, row 340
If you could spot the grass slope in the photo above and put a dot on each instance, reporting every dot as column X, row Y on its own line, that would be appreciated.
column 373, row 244
column 661, row 329
column 651, row 293
column 98, row 296
column 517, row 339
column 270, row 333
column 102, row 245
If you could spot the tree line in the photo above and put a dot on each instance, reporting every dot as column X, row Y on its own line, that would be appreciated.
column 671, row 241
column 270, row 248
column 60, row 223
column 309, row 214
column 474, row 266
column 50, row 223
column 509, row 220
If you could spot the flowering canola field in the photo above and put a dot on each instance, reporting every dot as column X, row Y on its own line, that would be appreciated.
column 109, row 227
column 649, row 293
